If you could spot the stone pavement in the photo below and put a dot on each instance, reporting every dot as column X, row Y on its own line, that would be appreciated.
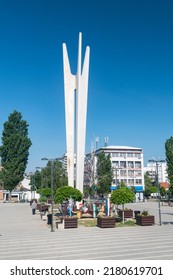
column 153, row 209
column 26, row 236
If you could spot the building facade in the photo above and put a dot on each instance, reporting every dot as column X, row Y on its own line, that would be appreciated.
column 161, row 166
column 127, row 164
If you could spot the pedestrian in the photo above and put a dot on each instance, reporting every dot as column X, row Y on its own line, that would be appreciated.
column 33, row 206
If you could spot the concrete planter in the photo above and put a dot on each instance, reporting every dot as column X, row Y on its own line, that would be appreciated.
column 105, row 222
column 70, row 222
column 127, row 213
column 145, row 220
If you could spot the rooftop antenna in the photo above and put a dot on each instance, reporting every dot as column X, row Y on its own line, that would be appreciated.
column 97, row 142
column 106, row 141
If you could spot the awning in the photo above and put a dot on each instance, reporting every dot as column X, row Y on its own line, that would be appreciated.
column 112, row 188
column 139, row 188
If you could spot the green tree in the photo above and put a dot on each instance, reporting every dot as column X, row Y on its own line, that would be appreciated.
column 46, row 192
column 154, row 189
column 64, row 193
column 147, row 192
column 104, row 173
column 162, row 191
column 147, row 181
column 35, row 181
column 148, row 186
column 169, row 159
column 14, row 151
column 121, row 196
column 150, row 190
column 59, row 177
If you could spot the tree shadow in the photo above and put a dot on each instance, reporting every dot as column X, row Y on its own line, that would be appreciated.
column 167, row 223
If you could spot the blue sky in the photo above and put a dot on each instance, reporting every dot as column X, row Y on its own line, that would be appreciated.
column 130, row 96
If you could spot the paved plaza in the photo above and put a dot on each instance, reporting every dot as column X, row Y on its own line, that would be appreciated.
column 26, row 236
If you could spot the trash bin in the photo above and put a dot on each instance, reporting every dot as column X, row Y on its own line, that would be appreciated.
column 49, row 219
column 137, row 212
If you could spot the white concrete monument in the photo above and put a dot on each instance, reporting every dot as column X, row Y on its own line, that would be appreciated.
column 76, row 92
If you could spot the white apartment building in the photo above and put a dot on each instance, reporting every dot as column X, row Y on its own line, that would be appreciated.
column 127, row 163
column 161, row 166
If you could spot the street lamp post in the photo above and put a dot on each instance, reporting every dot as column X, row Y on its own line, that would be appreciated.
column 34, row 183
column 158, row 190
column 116, row 168
column 116, row 177
column 51, row 161
column 41, row 168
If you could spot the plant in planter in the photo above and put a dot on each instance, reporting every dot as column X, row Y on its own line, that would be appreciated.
column 128, row 213
column 105, row 222
column 70, row 222
column 144, row 219
column 122, row 195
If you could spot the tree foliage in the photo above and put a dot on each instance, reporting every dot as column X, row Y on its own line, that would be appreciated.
column 59, row 177
column 122, row 195
column 162, row 191
column 149, row 187
column 64, row 193
column 46, row 192
column 147, row 181
column 169, row 159
column 14, row 151
column 104, row 173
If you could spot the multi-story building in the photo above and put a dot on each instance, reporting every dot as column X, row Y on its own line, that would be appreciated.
column 159, row 166
column 127, row 163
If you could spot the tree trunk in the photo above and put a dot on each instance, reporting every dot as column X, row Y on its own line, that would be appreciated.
column 123, row 212
column 9, row 199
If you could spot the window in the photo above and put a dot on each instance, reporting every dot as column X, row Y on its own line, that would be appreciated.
column 131, row 173
column 115, row 163
column 123, row 173
column 131, row 182
column 137, row 164
column 130, row 154
column 123, row 164
column 138, row 173
column 138, row 181
column 131, row 164
column 115, row 154
column 137, row 155
column 122, row 154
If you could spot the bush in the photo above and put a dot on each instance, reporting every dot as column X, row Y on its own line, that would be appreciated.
column 43, row 199
column 144, row 213
column 64, row 193
column 46, row 192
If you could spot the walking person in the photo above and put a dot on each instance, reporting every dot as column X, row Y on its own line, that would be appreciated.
column 33, row 206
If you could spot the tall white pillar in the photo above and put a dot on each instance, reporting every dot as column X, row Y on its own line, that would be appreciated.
column 69, row 87
column 78, row 82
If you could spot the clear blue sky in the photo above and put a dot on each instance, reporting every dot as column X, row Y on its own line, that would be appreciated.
column 130, row 97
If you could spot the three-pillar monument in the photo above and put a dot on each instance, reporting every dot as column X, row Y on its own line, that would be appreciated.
column 76, row 93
